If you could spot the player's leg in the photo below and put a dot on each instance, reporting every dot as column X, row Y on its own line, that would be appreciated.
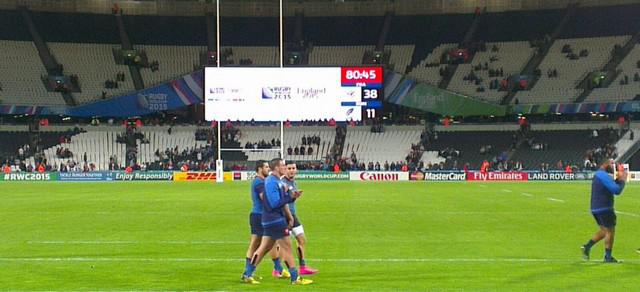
column 597, row 237
column 610, row 233
column 253, row 246
column 287, row 256
column 278, row 269
column 266, row 244
column 301, row 240
column 255, row 222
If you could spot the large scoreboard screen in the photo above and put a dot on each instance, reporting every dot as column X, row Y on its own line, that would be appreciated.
column 295, row 94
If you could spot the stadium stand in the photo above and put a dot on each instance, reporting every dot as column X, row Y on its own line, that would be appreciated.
column 570, row 69
column 99, row 145
column 334, row 55
column 259, row 55
column 497, row 63
column 392, row 145
column 20, row 76
column 429, row 70
column 400, row 57
column 626, row 86
column 173, row 62
column 11, row 142
column 94, row 65
column 571, row 147
column 292, row 139
column 159, row 140
column 460, row 147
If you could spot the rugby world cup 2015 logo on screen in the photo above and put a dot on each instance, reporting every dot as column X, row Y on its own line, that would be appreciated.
column 276, row 92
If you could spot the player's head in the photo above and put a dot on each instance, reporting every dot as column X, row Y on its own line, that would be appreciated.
column 262, row 168
column 278, row 167
column 292, row 170
column 607, row 165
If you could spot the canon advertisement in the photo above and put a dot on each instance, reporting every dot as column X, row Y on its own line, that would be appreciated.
column 378, row 176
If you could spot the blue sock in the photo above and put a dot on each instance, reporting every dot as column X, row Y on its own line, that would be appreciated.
column 294, row 274
column 607, row 253
column 302, row 263
column 248, row 272
column 589, row 244
column 277, row 265
column 247, row 263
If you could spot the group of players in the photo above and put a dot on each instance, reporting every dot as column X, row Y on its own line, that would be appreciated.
column 272, row 219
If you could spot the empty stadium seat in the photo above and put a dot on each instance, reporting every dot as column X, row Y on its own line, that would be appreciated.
column 94, row 64
column 20, row 76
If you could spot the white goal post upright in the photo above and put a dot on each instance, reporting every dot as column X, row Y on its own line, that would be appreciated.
column 219, row 161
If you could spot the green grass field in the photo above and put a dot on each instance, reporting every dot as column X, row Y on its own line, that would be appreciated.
column 412, row 236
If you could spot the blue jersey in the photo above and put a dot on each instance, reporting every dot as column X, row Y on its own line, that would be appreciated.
column 274, row 200
column 603, row 188
column 292, row 188
column 257, row 187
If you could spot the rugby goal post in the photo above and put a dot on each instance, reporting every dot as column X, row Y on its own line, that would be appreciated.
column 220, row 161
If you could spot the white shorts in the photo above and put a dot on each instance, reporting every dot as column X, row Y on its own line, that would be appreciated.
column 296, row 231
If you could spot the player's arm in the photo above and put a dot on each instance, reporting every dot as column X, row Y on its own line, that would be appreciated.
column 273, row 196
column 287, row 212
column 610, row 184
column 260, row 191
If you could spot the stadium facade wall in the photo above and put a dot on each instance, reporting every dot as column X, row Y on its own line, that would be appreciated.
column 310, row 8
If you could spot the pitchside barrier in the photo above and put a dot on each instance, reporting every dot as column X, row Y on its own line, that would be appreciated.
column 366, row 176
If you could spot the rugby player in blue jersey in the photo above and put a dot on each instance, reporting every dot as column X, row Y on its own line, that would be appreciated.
column 276, row 224
column 297, row 230
column 255, row 220
column 603, row 189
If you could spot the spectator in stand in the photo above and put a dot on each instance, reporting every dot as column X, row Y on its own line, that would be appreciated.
column 568, row 169
column 484, row 168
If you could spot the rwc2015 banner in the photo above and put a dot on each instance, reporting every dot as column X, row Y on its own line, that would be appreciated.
column 378, row 176
column 27, row 176
column 497, row 176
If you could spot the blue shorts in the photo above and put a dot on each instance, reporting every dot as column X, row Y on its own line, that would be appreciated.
column 255, row 221
column 607, row 219
column 276, row 232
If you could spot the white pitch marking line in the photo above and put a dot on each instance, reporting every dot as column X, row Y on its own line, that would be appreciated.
column 527, row 195
column 482, row 186
column 355, row 260
column 506, row 191
column 555, row 200
column 115, row 242
column 628, row 214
